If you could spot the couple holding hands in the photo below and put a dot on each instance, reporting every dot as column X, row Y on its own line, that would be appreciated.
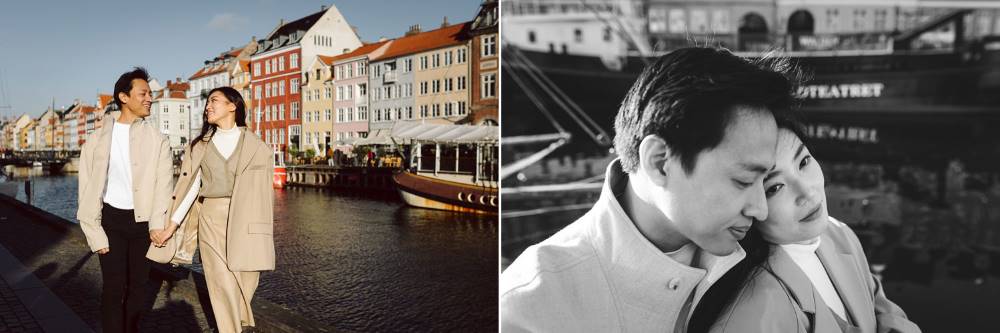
column 131, row 211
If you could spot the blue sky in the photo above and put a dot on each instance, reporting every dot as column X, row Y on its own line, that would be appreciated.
column 75, row 49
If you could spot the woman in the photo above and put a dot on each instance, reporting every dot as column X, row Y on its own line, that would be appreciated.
column 804, row 271
column 223, row 199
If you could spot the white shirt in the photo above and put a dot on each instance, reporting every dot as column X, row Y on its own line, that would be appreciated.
column 118, row 192
column 804, row 255
column 225, row 141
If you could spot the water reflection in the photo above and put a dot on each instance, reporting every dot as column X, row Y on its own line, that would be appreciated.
column 362, row 263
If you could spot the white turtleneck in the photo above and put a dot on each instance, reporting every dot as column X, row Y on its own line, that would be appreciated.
column 804, row 255
column 225, row 140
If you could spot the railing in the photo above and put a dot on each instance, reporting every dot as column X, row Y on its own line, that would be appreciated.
column 389, row 77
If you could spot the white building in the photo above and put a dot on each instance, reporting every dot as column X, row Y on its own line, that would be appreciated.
column 171, row 113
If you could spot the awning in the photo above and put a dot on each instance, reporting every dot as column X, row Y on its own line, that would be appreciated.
column 403, row 132
column 376, row 137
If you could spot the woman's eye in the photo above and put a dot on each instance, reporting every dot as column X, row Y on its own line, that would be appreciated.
column 805, row 161
column 773, row 189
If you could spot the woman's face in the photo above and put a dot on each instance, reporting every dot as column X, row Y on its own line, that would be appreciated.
column 796, row 200
column 219, row 108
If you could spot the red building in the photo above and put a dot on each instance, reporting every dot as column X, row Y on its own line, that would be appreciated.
column 276, row 72
column 485, row 48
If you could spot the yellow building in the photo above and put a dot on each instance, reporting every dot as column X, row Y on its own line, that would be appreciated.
column 441, row 80
column 317, row 105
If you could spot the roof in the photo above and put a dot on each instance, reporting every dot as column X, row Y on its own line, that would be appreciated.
column 175, row 90
column 363, row 50
column 424, row 41
column 208, row 70
column 105, row 99
column 291, row 31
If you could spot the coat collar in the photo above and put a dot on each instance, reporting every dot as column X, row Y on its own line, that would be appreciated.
column 248, row 148
column 837, row 258
column 640, row 270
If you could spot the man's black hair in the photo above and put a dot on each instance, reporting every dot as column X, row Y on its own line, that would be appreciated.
column 687, row 97
column 124, row 84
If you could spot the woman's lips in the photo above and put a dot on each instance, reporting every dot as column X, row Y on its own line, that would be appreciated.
column 812, row 214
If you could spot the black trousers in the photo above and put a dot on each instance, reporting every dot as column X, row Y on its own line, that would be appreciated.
column 125, row 270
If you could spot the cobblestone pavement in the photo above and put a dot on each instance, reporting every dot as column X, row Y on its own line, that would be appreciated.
column 14, row 316
column 57, row 254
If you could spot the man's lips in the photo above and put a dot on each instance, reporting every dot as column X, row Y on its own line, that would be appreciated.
column 739, row 232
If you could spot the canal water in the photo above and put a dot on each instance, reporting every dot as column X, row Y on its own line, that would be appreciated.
column 362, row 264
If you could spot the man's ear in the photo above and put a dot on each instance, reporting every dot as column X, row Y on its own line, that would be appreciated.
column 123, row 96
column 654, row 159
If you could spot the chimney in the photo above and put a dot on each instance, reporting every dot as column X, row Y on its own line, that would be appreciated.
column 346, row 50
column 323, row 8
column 414, row 29
column 445, row 23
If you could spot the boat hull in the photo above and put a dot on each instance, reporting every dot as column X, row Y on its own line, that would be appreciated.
column 432, row 193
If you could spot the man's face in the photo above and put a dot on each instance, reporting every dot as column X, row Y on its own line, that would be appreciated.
column 715, row 205
column 138, row 100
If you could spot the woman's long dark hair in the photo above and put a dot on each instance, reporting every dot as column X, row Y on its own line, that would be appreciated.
column 723, row 292
column 241, row 113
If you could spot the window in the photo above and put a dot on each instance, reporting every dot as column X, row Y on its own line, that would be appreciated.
column 362, row 68
column 328, row 93
column 267, row 67
column 256, row 69
column 349, row 92
column 461, row 83
column 448, row 109
column 166, row 125
column 437, row 110
column 349, row 70
column 362, row 90
column 166, row 109
column 461, row 108
column 448, row 55
column 267, row 90
column 281, row 88
column 578, row 35
column 274, row 89
column 423, row 88
column 267, row 113
column 462, row 55
column 294, row 86
column 340, row 73
column 408, row 90
column 281, row 112
column 423, row 111
column 489, row 87
column 378, row 115
column 531, row 39
column 281, row 63
column 362, row 113
column 436, row 87
column 294, row 60
column 423, row 62
column 309, row 96
column 281, row 135
column 409, row 112
column 295, row 110
column 436, row 60
column 490, row 45
column 408, row 65
column 327, row 115
column 449, row 84
column 309, row 117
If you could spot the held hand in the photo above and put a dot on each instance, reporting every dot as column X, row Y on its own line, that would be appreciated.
column 154, row 237
column 104, row 251
column 164, row 235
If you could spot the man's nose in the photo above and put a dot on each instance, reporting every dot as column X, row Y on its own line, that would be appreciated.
column 756, row 206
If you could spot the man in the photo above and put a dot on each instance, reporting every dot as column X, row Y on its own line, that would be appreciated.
column 124, row 192
column 695, row 136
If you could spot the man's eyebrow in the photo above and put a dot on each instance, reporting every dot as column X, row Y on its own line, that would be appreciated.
column 771, row 175
column 755, row 168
